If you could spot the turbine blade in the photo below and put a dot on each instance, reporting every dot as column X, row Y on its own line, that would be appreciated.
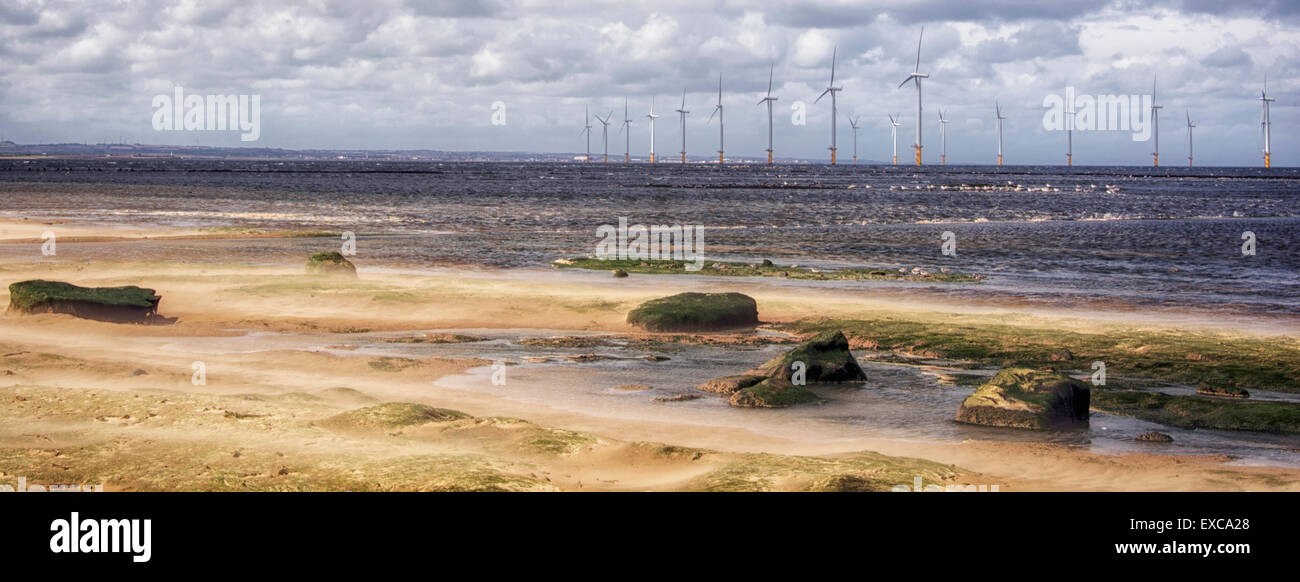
column 905, row 81
column 819, row 97
column 834, row 51
column 917, row 69
column 770, row 71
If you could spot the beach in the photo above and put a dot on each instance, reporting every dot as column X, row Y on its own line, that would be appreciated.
column 285, row 355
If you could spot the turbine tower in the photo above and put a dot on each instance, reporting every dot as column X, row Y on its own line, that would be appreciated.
column 587, row 130
column 1155, row 123
column 853, row 122
column 718, row 110
column 1190, row 127
column 652, row 117
column 627, row 139
column 893, row 132
column 1266, row 125
column 683, row 111
column 943, row 139
column 768, row 100
column 916, row 76
column 1069, row 138
column 604, row 132
column 832, row 89
column 998, row 109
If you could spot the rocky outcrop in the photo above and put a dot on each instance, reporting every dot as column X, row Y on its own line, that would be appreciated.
column 330, row 264
column 826, row 358
column 696, row 312
column 1223, row 391
column 128, row 304
column 1025, row 398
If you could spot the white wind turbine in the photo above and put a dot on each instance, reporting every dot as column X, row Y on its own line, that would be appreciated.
column 1000, row 117
column 853, row 122
column 943, row 139
column 586, row 112
column 1266, row 124
column 604, row 132
column 893, row 133
column 916, row 76
column 652, row 117
column 768, row 100
column 627, row 139
column 1190, row 127
column 683, row 111
column 832, row 89
column 718, row 110
column 1155, row 123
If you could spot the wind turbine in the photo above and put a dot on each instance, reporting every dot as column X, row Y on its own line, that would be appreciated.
column 1266, row 124
column 1190, row 127
column 1069, row 138
column 832, row 89
column 683, row 111
column 604, row 132
column 943, row 138
column 718, row 111
column 587, row 130
column 893, row 132
column 768, row 100
column 853, row 122
column 627, row 125
column 917, row 75
column 1155, row 123
column 652, row 117
column 998, row 108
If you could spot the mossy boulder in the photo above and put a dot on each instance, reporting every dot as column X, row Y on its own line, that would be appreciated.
column 695, row 312
column 826, row 356
column 390, row 415
column 114, row 304
column 771, row 393
column 1223, row 391
column 332, row 263
column 1027, row 398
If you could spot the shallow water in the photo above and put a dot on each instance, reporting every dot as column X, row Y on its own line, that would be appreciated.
column 1130, row 237
column 898, row 402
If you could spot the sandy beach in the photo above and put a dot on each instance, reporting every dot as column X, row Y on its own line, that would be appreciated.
column 94, row 402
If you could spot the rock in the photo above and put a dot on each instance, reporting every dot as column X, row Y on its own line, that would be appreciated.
column 826, row 356
column 1155, row 437
column 771, row 393
column 1222, row 391
column 632, row 387
column 1025, row 398
column 677, row 397
column 1195, row 356
column 330, row 264
column 139, row 372
column 128, row 304
column 767, row 262
column 729, row 384
column 1062, row 356
column 619, row 273
column 862, row 343
column 696, row 312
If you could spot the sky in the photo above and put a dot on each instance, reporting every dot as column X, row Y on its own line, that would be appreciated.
column 392, row 74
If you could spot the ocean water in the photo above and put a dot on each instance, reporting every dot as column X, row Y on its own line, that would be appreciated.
column 1141, row 238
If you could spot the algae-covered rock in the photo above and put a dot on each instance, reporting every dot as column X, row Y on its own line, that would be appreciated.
column 696, row 312
column 115, row 304
column 1026, row 398
column 1155, row 437
column 1223, row 391
column 729, row 384
column 826, row 356
column 391, row 415
column 332, row 263
column 771, row 393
